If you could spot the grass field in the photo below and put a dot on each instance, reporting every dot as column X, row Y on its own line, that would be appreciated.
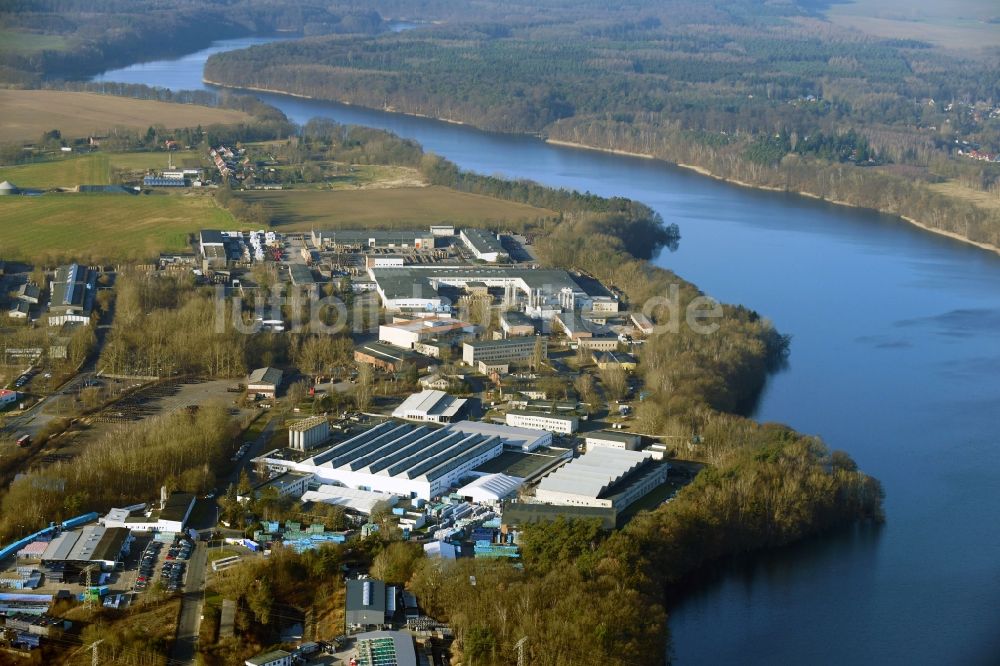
column 92, row 169
column 988, row 200
column 25, row 43
column 53, row 227
column 302, row 210
column 29, row 113
column 957, row 24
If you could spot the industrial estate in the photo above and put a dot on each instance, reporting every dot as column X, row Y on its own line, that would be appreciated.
column 460, row 392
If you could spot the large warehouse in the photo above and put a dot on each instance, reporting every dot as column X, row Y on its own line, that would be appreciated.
column 404, row 459
column 544, row 292
column 74, row 550
column 603, row 477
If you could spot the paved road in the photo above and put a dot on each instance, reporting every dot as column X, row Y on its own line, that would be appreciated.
column 192, row 601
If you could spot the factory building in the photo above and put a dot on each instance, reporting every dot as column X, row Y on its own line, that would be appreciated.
column 403, row 459
column 308, row 433
column 286, row 484
column 94, row 545
column 491, row 488
column 406, row 334
column 509, row 350
column 542, row 421
column 264, row 383
column 389, row 648
column 515, row 324
column 484, row 245
column 518, row 439
column 615, row 359
column 603, row 477
column 366, row 603
column 430, row 407
column 612, row 440
column 73, row 290
column 542, row 292
column 367, row 239
column 359, row 501
column 389, row 358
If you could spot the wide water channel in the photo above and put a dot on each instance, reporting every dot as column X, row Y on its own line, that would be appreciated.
column 895, row 359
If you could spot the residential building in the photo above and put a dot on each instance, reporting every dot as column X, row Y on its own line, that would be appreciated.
column 430, row 407
column 612, row 440
column 272, row 658
column 484, row 245
column 308, row 433
column 509, row 350
column 542, row 421
column 366, row 603
column 264, row 383
column 30, row 293
column 434, row 382
column 603, row 477
column 390, row 358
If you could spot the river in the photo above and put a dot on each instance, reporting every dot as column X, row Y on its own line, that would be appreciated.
column 895, row 359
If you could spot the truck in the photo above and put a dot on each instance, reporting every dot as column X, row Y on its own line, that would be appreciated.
column 24, row 441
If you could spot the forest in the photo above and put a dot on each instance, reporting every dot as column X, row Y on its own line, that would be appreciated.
column 771, row 96
column 48, row 39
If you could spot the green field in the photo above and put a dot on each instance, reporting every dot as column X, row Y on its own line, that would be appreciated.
column 92, row 169
column 12, row 41
column 113, row 227
column 302, row 210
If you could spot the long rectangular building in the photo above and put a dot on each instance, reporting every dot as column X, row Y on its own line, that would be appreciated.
column 603, row 477
column 508, row 350
column 404, row 459
column 541, row 291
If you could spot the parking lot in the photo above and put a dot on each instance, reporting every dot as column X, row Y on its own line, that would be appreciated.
column 163, row 563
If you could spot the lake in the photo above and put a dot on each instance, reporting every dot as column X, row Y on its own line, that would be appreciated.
column 895, row 359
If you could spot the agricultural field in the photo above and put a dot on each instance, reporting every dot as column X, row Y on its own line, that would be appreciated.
column 302, row 210
column 93, row 169
column 957, row 24
column 25, row 43
column 86, row 227
column 29, row 113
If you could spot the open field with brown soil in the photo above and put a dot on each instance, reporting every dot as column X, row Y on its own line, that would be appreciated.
column 957, row 24
column 29, row 113
column 386, row 208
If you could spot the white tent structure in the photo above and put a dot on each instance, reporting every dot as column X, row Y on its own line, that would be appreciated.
column 491, row 488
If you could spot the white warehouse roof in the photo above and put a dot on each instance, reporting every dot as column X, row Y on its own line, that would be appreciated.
column 438, row 404
column 491, row 488
column 362, row 501
column 594, row 472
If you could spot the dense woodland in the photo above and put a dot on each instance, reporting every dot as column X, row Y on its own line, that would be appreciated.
column 83, row 37
column 768, row 95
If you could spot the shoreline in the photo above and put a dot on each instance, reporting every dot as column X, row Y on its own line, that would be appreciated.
column 770, row 188
column 646, row 156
